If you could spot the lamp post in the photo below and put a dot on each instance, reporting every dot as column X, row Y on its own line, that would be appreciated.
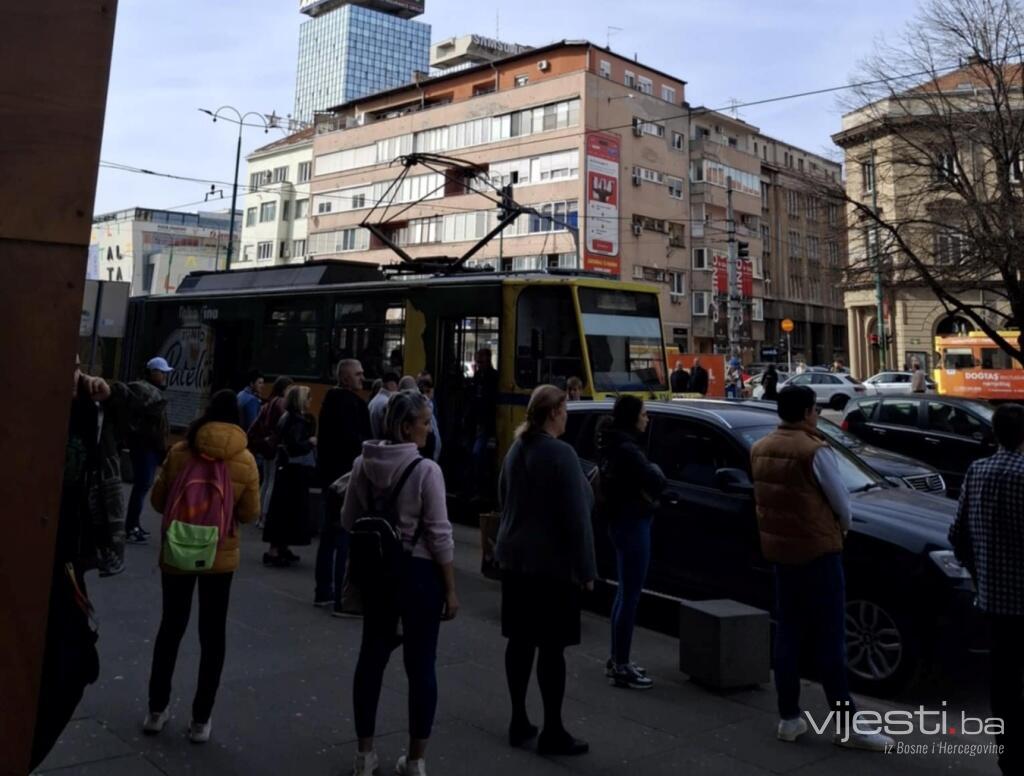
column 239, row 119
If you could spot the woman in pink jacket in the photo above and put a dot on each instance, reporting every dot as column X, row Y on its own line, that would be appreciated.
column 426, row 589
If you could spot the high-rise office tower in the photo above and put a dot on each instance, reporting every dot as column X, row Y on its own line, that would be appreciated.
column 353, row 48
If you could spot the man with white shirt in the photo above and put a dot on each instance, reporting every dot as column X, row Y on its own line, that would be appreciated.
column 803, row 513
column 379, row 404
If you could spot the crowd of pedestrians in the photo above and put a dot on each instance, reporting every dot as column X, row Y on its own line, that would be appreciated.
column 386, row 544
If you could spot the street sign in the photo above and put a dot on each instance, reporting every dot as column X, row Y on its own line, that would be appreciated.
column 787, row 325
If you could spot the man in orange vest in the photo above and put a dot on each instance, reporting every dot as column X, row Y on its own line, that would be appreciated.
column 803, row 512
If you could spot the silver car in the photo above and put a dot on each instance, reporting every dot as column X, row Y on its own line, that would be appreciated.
column 890, row 383
column 833, row 390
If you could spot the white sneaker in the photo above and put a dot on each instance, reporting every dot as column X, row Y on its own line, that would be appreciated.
column 791, row 729
column 366, row 764
column 874, row 742
column 407, row 767
column 199, row 732
column 155, row 721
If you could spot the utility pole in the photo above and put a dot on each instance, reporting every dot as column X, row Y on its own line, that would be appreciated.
column 882, row 336
column 735, row 311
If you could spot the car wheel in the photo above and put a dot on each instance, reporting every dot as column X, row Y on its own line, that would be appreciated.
column 839, row 401
column 882, row 648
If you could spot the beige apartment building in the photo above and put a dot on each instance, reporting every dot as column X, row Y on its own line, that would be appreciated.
column 625, row 177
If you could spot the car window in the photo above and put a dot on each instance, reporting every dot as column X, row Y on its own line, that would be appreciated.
column 691, row 452
column 580, row 433
column 836, row 434
column 804, row 379
column 901, row 378
column 851, row 379
column 947, row 419
column 866, row 409
column 898, row 413
column 856, row 475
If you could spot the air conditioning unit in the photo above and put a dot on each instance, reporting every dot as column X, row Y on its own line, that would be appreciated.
column 637, row 180
column 638, row 229
column 544, row 65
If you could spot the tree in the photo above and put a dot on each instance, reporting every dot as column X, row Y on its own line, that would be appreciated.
column 935, row 197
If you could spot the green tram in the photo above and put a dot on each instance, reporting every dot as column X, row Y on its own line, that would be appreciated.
column 300, row 320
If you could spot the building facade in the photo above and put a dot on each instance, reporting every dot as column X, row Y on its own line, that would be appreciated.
column 154, row 249
column 276, row 207
column 348, row 50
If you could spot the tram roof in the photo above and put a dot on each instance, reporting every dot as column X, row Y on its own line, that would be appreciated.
column 322, row 275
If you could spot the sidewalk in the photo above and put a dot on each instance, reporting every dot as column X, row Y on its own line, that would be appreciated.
column 284, row 705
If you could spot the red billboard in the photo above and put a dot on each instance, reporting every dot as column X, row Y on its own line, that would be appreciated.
column 601, row 251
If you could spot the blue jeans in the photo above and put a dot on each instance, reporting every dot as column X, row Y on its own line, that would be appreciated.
column 144, row 463
column 811, row 598
column 421, row 599
column 632, row 539
column 331, row 554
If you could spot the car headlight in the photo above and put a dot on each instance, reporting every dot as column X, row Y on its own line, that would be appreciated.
column 949, row 565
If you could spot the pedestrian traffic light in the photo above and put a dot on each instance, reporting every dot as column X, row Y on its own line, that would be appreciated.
column 743, row 249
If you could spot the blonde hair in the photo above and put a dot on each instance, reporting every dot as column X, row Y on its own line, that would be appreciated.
column 544, row 400
column 296, row 399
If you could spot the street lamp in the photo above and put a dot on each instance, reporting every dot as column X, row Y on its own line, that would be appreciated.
column 240, row 121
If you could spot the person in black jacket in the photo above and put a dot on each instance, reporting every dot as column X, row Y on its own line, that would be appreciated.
column 698, row 378
column 288, row 521
column 344, row 426
column 770, row 381
column 631, row 486
column 680, row 380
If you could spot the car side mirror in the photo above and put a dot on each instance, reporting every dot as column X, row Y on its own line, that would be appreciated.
column 734, row 481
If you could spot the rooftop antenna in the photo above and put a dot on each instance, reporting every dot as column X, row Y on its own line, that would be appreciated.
column 497, row 24
column 734, row 107
column 609, row 31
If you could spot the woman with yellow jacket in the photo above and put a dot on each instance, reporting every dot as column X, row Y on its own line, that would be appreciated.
column 214, row 437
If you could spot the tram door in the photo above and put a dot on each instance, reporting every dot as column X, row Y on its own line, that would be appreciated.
column 459, row 339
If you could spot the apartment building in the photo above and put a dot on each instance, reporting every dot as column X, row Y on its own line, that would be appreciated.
column 594, row 143
column 276, row 207
column 803, row 238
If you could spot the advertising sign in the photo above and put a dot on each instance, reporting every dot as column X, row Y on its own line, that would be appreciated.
column 601, row 252
column 746, row 279
column 715, row 364
column 1002, row 384
column 720, row 273
column 189, row 351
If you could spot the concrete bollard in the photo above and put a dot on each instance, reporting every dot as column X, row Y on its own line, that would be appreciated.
column 724, row 644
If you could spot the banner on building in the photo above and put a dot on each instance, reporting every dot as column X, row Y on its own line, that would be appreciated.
column 601, row 252
column 720, row 273
column 747, row 279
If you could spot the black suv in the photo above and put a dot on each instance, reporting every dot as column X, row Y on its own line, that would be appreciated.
column 903, row 583
column 942, row 431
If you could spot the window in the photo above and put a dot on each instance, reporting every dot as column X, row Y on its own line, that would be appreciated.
column 675, row 187
column 649, row 127
column 700, row 258
column 678, row 141
column 301, row 208
column 691, row 452
column 812, row 208
column 291, row 340
column 265, row 250
column 305, row 168
column 286, row 210
column 246, row 252
column 867, row 177
column 522, row 80
column 338, row 241
column 283, row 253
column 812, row 248
column 833, row 215
column 258, row 179
column 668, row 94
column 629, row 79
column 324, row 205
column 794, row 244
column 645, row 85
column 757, row 309
column 298, row 248
column 268, row 212
column 372, row 330
column 765, row 191
column 677, row 284
column 547, row 341
column 947, row 419
column 949, row 247
column 605, row 68
column 793, row 203
column 833, row 253
column 701, row 303
column 647, row 174
column 250, row 217
column 945, row 167
column 279, row 175
column 899, row 412
column 766, row 240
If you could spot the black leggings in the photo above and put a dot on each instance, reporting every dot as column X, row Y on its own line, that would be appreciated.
column 214, row 591
column 550, row 677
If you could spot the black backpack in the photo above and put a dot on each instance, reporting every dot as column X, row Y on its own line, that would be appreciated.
column 376, row 551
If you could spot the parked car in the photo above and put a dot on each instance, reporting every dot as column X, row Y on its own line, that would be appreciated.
column 833, row 390
column 943, row 431
column 899, row 469
column 895, row 382
column 904, row 587
column 756, row 383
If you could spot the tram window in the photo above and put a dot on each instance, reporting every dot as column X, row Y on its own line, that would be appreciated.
column 959, row 358
column 291, row 341
column 371, row 331
column 547, row 338
column 473, row 335
column 995, row 358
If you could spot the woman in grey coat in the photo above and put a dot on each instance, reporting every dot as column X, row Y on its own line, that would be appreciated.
column 546, row 551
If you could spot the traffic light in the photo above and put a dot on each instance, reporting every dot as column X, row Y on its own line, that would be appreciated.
column 743, row 249
column 506, row 202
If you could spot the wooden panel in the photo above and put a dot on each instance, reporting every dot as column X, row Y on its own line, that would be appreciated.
column 54, row 68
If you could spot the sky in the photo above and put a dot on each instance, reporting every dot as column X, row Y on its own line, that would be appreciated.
column 173, row 57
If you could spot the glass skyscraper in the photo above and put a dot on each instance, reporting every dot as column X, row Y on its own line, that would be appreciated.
column 351, row 51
